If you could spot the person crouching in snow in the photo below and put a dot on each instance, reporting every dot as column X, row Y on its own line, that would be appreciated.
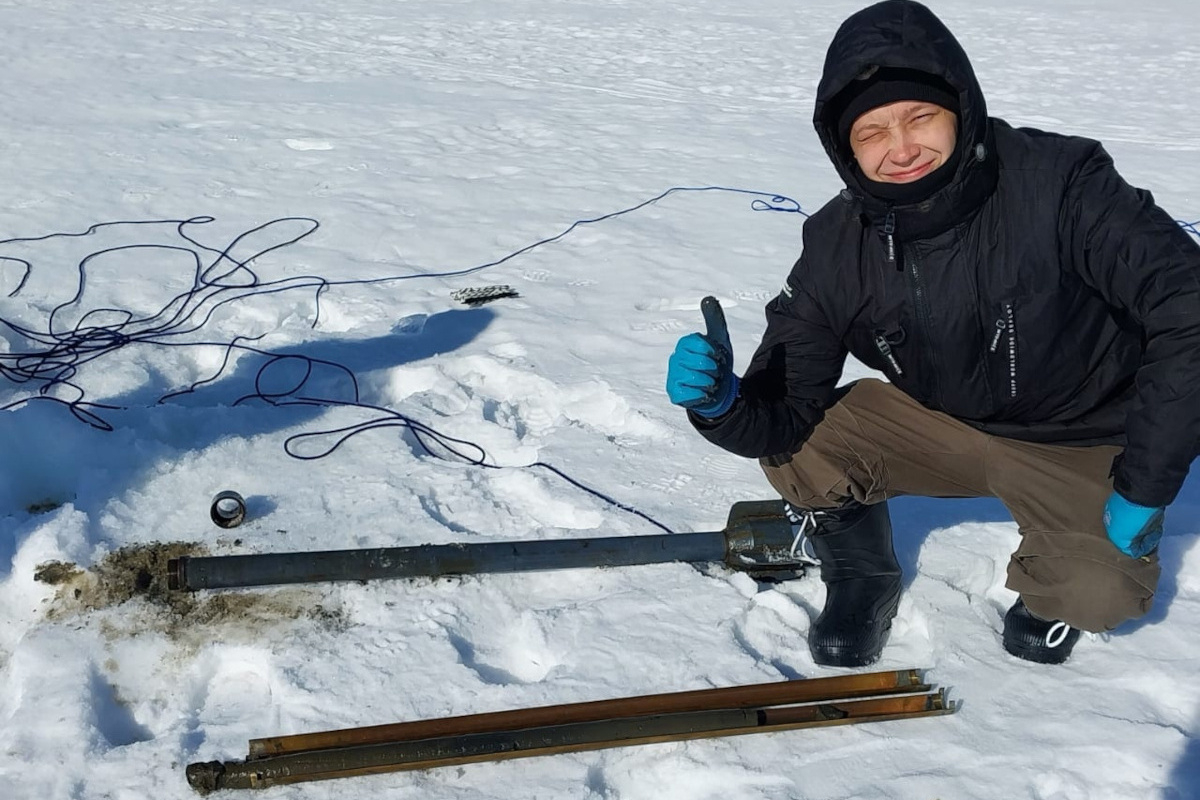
column 1037, row 318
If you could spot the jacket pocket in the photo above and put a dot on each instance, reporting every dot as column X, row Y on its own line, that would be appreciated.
column 1004, row 345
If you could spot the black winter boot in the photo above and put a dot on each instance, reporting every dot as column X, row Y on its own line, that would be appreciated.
column 1035, row 639
column 862, row 584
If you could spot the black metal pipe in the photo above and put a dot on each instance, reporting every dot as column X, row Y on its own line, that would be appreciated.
column 223, row 572
column 757, row 539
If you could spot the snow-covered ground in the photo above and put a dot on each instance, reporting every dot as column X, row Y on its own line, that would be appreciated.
column 399, row 143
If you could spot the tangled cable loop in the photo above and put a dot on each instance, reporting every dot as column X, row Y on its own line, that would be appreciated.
column 224, row 275
column 65, row 348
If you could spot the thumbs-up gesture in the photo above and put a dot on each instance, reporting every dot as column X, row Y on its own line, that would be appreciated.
column 700, row 371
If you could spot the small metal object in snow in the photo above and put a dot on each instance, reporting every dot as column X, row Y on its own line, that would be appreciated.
column 228, row 509
column 479, row 295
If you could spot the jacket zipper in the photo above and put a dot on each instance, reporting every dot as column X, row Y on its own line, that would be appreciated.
column 889, row 230
column 997, row 336
column 921, row 301
column 885, row 350
column 1007, row 325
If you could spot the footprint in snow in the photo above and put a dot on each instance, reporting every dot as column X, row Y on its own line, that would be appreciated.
column 506, row 647
column 230, row 686
column 757, row 295
column 113, row 718
column 722, row 466
column 671, row 484
column 659, row 326
column 690, row 303
column 308, row 144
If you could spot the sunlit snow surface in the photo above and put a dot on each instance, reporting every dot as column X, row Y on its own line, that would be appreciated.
column 430, row 137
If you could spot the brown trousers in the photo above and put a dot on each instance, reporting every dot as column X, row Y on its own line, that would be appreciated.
column 877, row 442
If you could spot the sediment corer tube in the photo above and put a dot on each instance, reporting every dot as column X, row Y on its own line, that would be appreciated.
column 228, row 509
column 757, row 539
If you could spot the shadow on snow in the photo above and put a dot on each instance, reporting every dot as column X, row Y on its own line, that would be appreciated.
column 49, row 457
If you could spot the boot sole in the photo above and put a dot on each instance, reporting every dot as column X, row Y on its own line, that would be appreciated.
column 837, row 656
column 1038, row 655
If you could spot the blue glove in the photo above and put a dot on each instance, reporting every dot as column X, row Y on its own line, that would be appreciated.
column 700, row 371
column 1135, row 530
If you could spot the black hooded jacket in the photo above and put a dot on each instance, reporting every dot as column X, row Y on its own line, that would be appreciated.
column 1037, row 296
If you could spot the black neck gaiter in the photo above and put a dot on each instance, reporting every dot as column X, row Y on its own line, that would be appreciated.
column 906, row 194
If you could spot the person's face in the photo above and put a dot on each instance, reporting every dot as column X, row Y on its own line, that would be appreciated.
column 903, row 141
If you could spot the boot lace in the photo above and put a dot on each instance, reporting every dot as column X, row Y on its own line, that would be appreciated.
column 804, row 522
column 1057, row 634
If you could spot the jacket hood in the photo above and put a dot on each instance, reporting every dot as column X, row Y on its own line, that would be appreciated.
column 905, row 34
